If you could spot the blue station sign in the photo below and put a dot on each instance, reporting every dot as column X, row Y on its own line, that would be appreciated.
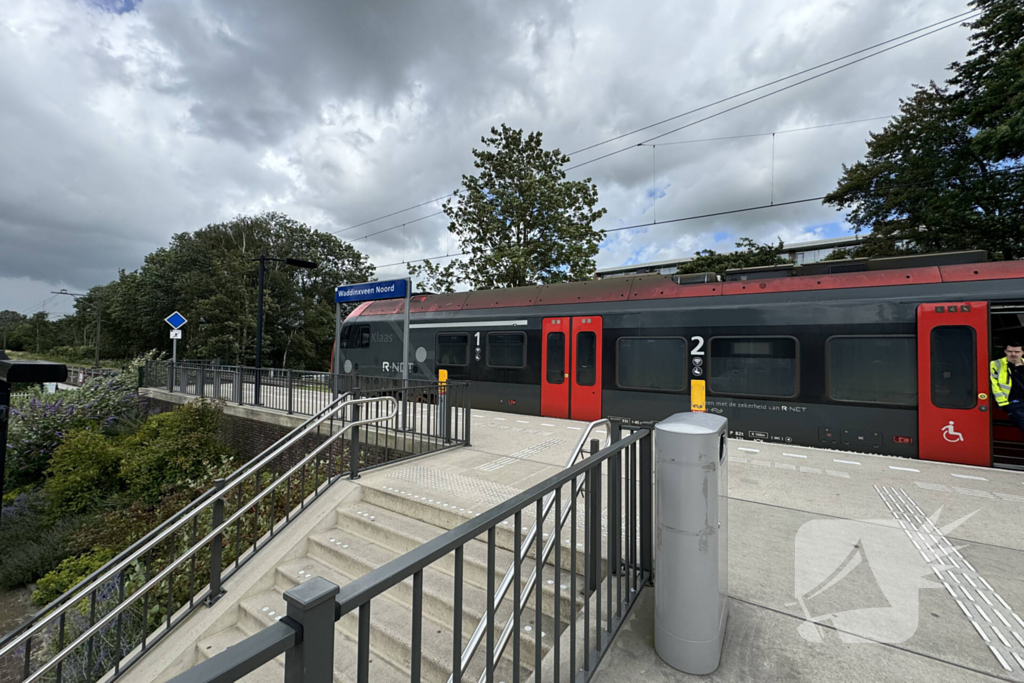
column 370, row 291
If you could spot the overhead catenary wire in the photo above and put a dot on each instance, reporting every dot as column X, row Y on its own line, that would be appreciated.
column 955, row 18
column 759, row 98
column 747, row 209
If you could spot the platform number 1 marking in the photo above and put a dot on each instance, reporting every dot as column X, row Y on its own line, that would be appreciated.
column 477, row 335
column 698, row 350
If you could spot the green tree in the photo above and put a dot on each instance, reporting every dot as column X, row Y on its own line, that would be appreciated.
column 946, row 173
column 519, row 220
column 748, row 255
column 210, row 277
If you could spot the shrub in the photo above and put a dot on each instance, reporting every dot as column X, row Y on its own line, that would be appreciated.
column 84, row 470
column 40, row 422
column 31, row 546
column 174, row 451
column 67, row 574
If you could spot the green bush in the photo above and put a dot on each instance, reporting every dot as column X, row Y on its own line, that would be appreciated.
column 31, row 546
column 67, row 574
column 40, row 422
column 84, row 470
column 174, row 451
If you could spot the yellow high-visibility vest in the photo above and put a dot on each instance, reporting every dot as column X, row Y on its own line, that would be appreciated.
column 999, row 373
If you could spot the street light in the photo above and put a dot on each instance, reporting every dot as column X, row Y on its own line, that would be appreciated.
column 298, row 263
column 99, row 312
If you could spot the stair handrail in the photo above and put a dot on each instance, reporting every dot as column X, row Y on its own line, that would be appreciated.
column 172, row 524
column 506, row 582
column 214, row 533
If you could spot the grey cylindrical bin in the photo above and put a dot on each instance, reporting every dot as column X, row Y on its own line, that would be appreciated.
column 691, row 567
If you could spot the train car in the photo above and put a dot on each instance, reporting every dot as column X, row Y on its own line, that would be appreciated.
column 889, row 357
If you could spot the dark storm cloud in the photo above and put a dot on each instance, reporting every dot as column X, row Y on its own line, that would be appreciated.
column 124, row 123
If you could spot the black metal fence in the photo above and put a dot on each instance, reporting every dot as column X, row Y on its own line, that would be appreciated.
column 78, row 375
column 432, row 415
column 605, row 564
column 112, row 618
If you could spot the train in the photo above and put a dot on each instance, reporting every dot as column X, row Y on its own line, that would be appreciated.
column 888, row 356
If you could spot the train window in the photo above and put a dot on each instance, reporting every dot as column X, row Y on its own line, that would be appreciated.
column 556, row 358
column 953, row 367
column 873, row 369
column 453, row 348
column 355, row 337
column 753, row 366
column 506, row 349
column 586, row 359
column 652, row 363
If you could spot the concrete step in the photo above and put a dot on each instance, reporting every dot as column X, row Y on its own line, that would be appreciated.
column 400, row 534
column 446, row 518
column 391, row 626
column 271, row 672
column 262, row 610
column 342, row 564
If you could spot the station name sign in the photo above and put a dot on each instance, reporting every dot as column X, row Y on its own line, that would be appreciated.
column 370, row 291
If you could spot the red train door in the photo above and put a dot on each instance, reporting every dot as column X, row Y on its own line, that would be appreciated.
column 954, row 424
column 555, row 363
column 586, row 368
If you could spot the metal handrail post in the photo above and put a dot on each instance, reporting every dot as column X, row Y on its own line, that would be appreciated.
column 353, row 449
column 237, row 387
column 170, row 378
column 289, row 391
column 647, row 506
column 469, row 413
column 201, row 381
column 312, row 607
column 593, row 523
column 216, row 547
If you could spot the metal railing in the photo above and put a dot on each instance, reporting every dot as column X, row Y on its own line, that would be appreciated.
column 433, row 415
column 78, row 375
column 617, row 561
column 302, row 392
column 478, row 633
column 125, row 557
column 133, row 603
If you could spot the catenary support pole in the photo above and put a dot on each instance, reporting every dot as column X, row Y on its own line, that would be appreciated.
column 405, row 349
column 336, row 365
column 259, row 329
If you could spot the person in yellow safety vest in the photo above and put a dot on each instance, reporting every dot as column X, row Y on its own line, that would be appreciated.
column 1007, row 376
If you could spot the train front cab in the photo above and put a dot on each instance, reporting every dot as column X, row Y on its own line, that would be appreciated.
column 958, row 421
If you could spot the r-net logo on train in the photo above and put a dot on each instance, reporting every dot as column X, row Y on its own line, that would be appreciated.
column 863, row 576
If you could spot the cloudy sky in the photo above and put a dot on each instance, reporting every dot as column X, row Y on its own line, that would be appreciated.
column 123, row 121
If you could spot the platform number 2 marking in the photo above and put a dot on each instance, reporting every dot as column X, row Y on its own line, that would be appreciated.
column 698, row 350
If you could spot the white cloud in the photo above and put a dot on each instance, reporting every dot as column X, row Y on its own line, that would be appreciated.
column 121, row 129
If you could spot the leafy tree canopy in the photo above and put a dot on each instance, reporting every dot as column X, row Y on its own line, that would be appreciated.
column 519, row 220
column 946, row 173
column 210, row 277
column 748, row 255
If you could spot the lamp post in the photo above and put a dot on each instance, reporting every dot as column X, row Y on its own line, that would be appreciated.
column 99, row 314
column 298, row 263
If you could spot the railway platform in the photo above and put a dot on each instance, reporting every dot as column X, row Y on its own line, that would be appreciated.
column 954, row 614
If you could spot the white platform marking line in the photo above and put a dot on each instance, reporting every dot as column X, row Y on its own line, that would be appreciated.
column 943, row 550
column 968, row 476
column 748, row 450
column 846, row 462
column 794, row 455
column 523, row 422
column 904, row 469
column 1000, row 658
column 545, row 424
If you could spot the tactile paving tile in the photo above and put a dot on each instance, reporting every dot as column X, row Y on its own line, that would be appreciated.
column 524, row 454
column 455, row 484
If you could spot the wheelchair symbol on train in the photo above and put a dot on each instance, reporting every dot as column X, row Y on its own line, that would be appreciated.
column 950, row 434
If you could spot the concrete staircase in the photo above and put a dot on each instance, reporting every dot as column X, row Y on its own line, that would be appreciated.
column 381, row 527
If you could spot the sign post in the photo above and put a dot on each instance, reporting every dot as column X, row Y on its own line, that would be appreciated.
column 176, row 321
column 372, row 291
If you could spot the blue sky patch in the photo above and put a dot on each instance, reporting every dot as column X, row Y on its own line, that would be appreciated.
column 116, row 6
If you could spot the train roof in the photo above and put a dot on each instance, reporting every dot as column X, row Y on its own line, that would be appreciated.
column 906, row 270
